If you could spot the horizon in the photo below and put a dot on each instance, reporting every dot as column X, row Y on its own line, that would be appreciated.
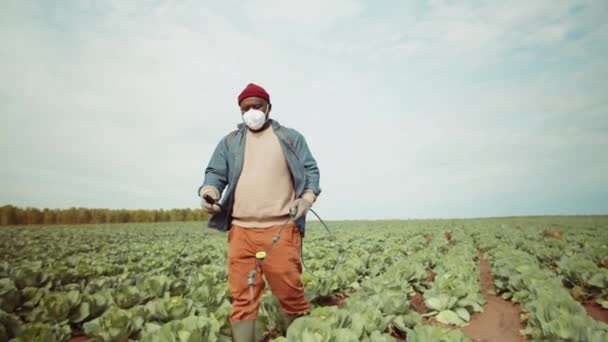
column 311, row 217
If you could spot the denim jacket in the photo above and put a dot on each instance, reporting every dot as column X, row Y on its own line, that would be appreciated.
column 226, row 163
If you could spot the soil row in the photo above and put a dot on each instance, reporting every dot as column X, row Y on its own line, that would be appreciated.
column 500, row 320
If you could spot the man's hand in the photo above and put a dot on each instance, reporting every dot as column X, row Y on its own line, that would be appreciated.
column 214, row 195
column 302, row 206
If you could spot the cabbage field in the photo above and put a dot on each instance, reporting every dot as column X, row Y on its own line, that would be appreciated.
column 378, row 281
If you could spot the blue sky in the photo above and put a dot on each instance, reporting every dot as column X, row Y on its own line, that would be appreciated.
column 413, row 109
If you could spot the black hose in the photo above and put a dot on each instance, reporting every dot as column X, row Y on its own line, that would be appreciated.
column 333, row 238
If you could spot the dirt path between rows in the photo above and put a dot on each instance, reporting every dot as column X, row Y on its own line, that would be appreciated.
column 500, row 319
column 596, row 311
column 79, row 339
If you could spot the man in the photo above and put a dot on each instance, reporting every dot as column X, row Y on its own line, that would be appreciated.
column 266, row 170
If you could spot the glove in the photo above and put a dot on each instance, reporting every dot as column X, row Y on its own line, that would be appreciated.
column 302, row 206
column 213, row 193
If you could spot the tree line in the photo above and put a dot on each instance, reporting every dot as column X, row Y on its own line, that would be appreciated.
column 11, row 215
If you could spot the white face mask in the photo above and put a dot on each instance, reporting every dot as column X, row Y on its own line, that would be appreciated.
column 254, row 119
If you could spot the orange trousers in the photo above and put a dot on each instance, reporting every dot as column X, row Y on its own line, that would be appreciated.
column 282, row 269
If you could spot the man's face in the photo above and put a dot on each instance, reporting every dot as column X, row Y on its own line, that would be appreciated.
column 254, row 103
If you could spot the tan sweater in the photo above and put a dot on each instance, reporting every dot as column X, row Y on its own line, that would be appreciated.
column 265, row 187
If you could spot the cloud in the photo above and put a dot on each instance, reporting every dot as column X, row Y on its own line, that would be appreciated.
column 314, row 16
column 421, row 109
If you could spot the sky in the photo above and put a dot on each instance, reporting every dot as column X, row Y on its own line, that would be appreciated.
column 412, row 109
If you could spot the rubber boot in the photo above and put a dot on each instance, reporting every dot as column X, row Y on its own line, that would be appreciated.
column 243, row 331
column 289, row 319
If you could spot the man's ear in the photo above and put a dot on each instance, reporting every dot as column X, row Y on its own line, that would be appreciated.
column 269, row 107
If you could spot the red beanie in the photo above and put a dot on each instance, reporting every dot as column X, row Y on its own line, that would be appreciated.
column 254, row 90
